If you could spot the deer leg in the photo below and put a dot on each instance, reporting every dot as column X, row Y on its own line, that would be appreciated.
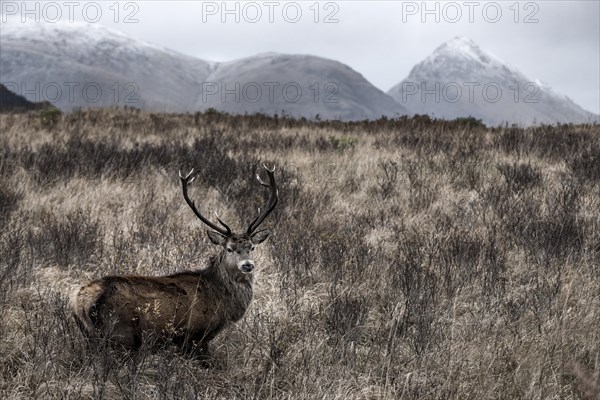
column 187, row 343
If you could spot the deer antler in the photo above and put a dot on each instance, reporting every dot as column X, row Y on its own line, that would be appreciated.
column 185, row 181
column 273, row 198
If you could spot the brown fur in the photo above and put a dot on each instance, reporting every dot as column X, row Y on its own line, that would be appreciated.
column 190, row 308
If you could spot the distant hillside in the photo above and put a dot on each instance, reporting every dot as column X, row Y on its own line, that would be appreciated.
column 10, row 101
column 302, row 86
column 123, row 71
column 108, row 68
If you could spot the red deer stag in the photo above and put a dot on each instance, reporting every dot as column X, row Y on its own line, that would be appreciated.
column 190, row 308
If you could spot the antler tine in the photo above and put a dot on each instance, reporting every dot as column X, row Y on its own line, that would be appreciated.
column 187, row 176
column 273, row 198
column 222, row 223
column 185, row 181
column 259, row 179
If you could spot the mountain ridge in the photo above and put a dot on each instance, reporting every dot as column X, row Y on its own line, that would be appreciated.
column 160, row 79
column 132, row 72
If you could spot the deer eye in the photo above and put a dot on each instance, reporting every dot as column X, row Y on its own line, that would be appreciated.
column 229, row 250
column 252, row 248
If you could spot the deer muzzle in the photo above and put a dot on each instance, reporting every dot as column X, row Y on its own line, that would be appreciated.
column 246, row 266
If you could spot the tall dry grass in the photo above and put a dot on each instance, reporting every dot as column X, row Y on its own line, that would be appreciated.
column 410, row 258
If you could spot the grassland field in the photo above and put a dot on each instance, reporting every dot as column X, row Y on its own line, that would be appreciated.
column 410, row 258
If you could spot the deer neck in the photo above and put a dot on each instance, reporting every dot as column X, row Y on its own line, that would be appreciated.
column 235, row 289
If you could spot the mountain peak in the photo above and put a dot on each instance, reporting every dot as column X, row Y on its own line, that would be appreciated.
column 461, row 42
column 453, row 82
column 464, row 48
column 60, row 34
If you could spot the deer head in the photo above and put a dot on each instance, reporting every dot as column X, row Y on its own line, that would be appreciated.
column 236, row 253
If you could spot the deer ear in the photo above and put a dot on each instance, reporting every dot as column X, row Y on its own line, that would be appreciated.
column 216, row 237
column 260, row 236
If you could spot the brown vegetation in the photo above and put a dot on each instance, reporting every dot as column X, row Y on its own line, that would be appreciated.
column 409, row 259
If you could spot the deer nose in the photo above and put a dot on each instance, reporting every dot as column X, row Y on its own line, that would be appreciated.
column 246, row 266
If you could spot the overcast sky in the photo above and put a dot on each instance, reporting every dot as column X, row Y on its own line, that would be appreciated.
column 557, row 42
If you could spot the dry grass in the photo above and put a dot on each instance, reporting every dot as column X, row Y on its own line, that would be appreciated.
column 410, row 259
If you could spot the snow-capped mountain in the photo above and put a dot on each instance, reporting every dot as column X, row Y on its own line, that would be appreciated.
column 87, row 65
column 459, row 79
